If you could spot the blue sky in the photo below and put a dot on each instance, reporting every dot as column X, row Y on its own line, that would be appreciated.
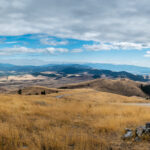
column 39, row 49
column 37, row 32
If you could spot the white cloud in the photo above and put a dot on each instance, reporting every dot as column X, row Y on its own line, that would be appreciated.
column 98, row 47
column 117, row 46
column 77, row 50
column 19, row 50
column 100, row 20
column 147, row 54
column 13, row 42
column 23, row 50
column 52, row 42
column 53, row 50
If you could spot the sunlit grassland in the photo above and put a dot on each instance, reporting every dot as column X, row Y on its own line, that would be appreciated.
column 82, row 119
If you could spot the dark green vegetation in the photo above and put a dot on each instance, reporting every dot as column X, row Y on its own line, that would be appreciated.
column 146, row 89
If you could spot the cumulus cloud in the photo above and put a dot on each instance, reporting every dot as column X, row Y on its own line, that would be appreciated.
column 53, row 50
column 98, row 20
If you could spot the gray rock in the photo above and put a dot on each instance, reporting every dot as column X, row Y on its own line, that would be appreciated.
column 147, row 131
column 137, row 139
column 147, row 125
column 127, row 129
column 139, row 133
column 128, row 134
column 140, row 130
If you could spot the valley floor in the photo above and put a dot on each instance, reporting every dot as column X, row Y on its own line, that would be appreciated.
column 79, row 119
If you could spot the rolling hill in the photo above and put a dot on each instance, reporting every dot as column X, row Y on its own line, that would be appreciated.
column 120, row 86
column 27, row 78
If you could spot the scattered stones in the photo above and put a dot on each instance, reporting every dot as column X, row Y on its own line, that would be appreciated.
column 59, row 96
column 137, row 134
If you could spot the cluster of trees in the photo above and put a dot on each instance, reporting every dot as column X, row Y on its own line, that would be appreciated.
column 42, row 92
column 19, row 91
column 145, row 89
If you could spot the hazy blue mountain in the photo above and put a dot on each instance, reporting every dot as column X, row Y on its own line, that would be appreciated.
column 58, row 67
column 113, row 67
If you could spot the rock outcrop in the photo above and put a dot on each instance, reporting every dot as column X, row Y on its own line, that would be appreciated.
column 140, row 133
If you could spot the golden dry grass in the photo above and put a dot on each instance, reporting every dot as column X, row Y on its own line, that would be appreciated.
column 79, row 120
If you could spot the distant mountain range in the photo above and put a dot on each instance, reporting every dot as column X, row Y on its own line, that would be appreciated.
column 103, row 66
column 89, row 70
column 128, row 68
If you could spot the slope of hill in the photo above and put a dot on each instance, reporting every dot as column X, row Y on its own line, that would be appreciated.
column 120, row 86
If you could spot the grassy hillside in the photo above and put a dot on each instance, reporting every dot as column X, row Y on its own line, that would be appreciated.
column 81, row 119
column 120, row 86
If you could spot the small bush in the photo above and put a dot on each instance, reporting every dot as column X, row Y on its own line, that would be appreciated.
column 19, row 91
column 43, row 93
